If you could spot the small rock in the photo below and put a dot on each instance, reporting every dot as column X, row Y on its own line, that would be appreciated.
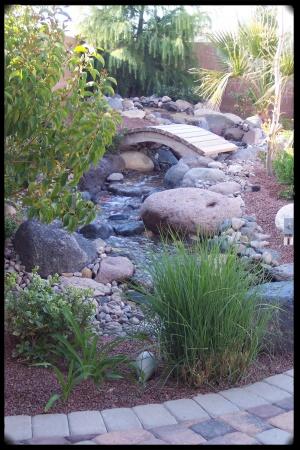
column 86, row 273
column 115, row 177
column 267, row 257
column 235, row 168
column 134, row 321
column 215, row 165
column 259, row 244
column 237, row 223
column 77, row 274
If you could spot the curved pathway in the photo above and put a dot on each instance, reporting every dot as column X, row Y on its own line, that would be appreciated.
column 259, row 413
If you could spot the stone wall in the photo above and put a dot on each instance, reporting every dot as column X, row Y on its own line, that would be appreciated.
column 236, row 89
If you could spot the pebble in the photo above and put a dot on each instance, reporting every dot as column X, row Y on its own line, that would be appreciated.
column 134, row 321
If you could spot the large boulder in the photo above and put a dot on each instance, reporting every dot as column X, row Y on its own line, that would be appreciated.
column 196, row 161
column 127, row 104
column 165, row 157
column 188, row 210
column 234, row 134
column 254, row 121
column 284, row 272
column 93, row 180
column 253, row 136
column 137, row 161
column 85, row 283
column 114, row 268
column 52, row 248
column 226, row 187
column 217, row 122
column 170, row 106
column 244, row 154
column 196, row 175
column 175, row 174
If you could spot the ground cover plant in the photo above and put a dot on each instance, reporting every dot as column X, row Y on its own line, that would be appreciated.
column 284, row 171
column 209, row 327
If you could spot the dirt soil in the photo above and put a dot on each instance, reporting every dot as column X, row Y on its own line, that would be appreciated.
column 27, row 389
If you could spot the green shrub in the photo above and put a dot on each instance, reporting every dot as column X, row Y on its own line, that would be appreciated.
column 206, row 327
column 83, row 358
column 10, row 226
column 284, row 171
column 34, row 314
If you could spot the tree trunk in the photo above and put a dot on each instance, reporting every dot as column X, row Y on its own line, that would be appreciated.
column 141, row 21
column 277, row 95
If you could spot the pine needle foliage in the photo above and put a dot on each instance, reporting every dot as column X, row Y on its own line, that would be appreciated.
column 146, row 46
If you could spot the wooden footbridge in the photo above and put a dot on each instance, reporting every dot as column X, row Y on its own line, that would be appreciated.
column 184, row 140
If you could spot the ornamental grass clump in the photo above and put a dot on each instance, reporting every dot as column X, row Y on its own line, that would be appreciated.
column 209, row 327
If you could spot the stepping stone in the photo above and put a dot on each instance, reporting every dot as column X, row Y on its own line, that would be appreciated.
column 154, row 415
column 212, row 428
column 186, row 409
column 284, row 421
column 265, row 411
column 274, row 437
column 129, row 437
column 17, row 427
column 215, row 404
column 178, row 435
column 86, row 422
column 118, row 419
column 267, row 391
column 287, row 403
column 246, row 423
column 242, row 398
column 233, row 439
column 50, row 425
column 282, row 381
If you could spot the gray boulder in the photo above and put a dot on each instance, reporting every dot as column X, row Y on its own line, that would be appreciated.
column 93, row 180
column 115, row 102
column 233, row 133
column 170, row 106
column 217, row 122
column 196, row 175
column 226, row 187
column 284, row 272
column 175, row 174
column 52, row 248
column 96, row 230
column 165, row 157
column 280, row 294
column 244, row 154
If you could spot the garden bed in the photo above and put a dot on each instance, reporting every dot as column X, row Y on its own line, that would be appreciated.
column 27, row 389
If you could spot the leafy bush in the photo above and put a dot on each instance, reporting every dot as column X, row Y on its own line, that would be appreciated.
column 52, row 133
column 284, row 170
column 10, row 226
column 209, row 326
column 36, row 313
column 82, row 357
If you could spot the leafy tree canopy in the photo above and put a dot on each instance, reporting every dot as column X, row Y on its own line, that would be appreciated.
column 146, row 46
column 52, row 135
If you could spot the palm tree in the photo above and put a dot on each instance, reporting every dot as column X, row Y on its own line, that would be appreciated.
column 258, row 52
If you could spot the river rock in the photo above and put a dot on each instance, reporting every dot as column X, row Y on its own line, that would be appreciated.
column 86, row 273
column 183, row 105
column 193, row 176
column 137, row 161
column 217, row 122
column 237, row 223
column 96, row 230
column 127, row 190
column 175, row 174
column 286, row 212
column 188, row 210
column 134, row 114
column 165, row 99
column 118, row 217
column 52, row 248
column 244, row 154
column 170, row 106
column 196, row 161
column 115, row 177
column 127, row 104
column 114, row 268
column 93, row 180
column 254, row 121
column 284, row 272
column 226, row 187
column 215, row 165
column 115, row 102
column 99, row 289
column 235, row 169
column 130, row 228
column 9, row 210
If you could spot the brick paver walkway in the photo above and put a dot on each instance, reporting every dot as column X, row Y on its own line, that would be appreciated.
column 260, row 413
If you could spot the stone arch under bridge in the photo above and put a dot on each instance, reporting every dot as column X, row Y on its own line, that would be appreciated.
column 184, row 140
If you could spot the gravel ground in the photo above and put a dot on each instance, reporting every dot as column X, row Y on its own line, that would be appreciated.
column 265, row 204
column 27, row 389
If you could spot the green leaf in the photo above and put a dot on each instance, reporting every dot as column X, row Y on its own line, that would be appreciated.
column 51, row 402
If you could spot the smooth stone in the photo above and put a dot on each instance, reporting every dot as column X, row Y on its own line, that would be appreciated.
column 145, row 365
column 237, row 223
column 118, row 217
column 284, row 272
column 115, row 177
column 96, row 230
column 226, row 187
column 129, row 228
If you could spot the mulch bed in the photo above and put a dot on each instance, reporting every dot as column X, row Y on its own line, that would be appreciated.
column 27, row 389
column 265, row 205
